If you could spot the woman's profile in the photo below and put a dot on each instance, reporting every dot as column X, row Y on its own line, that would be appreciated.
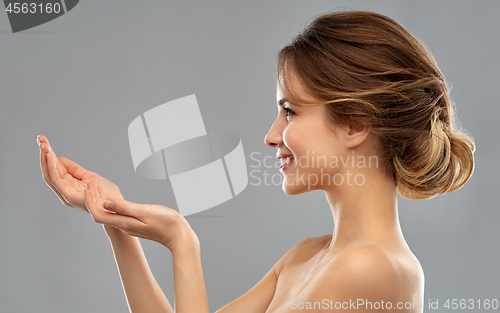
column 364, row 113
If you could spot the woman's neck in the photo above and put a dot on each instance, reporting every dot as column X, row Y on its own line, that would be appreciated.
column 364, row 214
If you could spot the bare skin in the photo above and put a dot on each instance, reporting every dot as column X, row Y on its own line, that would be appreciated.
column 69, row 181
column 365, row 258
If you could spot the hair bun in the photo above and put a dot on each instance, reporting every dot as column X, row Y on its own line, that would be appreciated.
column 439, row 161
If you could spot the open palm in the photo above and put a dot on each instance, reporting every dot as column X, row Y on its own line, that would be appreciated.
column 68, row 179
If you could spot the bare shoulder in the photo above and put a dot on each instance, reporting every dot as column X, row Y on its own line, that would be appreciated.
column 371, row 272
column 302, row 250
column 312, row 276
column 370, row 264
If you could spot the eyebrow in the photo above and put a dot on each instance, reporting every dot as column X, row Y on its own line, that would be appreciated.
column 282, row 102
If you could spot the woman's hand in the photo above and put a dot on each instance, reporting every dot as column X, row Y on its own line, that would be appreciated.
column 69, row 180
column 148, row 221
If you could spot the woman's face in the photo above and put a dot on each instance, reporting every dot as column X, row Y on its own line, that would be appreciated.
column 305, row 144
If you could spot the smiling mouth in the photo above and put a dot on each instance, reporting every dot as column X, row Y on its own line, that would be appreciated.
column 286, row 162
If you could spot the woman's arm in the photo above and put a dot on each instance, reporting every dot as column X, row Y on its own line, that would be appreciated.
column 141, row 289
column 166, row 226
column 259, row 298
column 189, row 283
column 69, row 180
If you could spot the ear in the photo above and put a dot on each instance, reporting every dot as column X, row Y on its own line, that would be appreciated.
column 356, row 135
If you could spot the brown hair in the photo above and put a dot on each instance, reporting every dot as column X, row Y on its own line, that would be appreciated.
column 366, row 68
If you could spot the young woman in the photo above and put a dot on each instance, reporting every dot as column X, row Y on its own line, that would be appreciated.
column 363, row 113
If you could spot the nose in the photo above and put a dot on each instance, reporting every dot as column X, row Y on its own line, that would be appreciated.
column 275, row 135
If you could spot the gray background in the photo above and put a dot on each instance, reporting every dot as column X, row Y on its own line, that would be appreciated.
column 82, row 78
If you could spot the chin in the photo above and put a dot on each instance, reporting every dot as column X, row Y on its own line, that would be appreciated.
column 292, row 185
column 293, row 189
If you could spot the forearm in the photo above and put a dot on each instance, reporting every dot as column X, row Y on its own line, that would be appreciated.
column 141, row 289
column 189, row 284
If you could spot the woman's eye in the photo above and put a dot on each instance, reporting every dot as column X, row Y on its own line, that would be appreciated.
column 288, row 111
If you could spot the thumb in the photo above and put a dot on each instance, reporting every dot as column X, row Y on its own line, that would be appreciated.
column 123, row 207
column 73, row 168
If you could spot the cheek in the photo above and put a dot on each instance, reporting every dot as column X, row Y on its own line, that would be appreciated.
column 312, row 137
column 293, row 138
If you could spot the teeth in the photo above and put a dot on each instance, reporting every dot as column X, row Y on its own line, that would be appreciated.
column 285, row 161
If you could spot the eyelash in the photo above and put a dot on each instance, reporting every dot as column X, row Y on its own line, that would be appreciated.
column 288, row 111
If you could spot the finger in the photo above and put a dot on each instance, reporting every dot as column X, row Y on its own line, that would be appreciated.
column 44, row 141
column 60, row 168
column 73, row 168
column 43, row 161
column 125, row 207
column 44, row 149
column 52, row 168
column 41, row 138
column 57, row 184
column 102, row 216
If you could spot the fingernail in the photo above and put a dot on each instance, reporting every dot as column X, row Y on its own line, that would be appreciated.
column 108, row 204
column 38, row 140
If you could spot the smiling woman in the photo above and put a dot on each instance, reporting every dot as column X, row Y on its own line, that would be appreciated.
column 354, row 86
column 366, row 69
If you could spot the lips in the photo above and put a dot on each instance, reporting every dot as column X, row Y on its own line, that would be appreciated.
column 286, row 161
